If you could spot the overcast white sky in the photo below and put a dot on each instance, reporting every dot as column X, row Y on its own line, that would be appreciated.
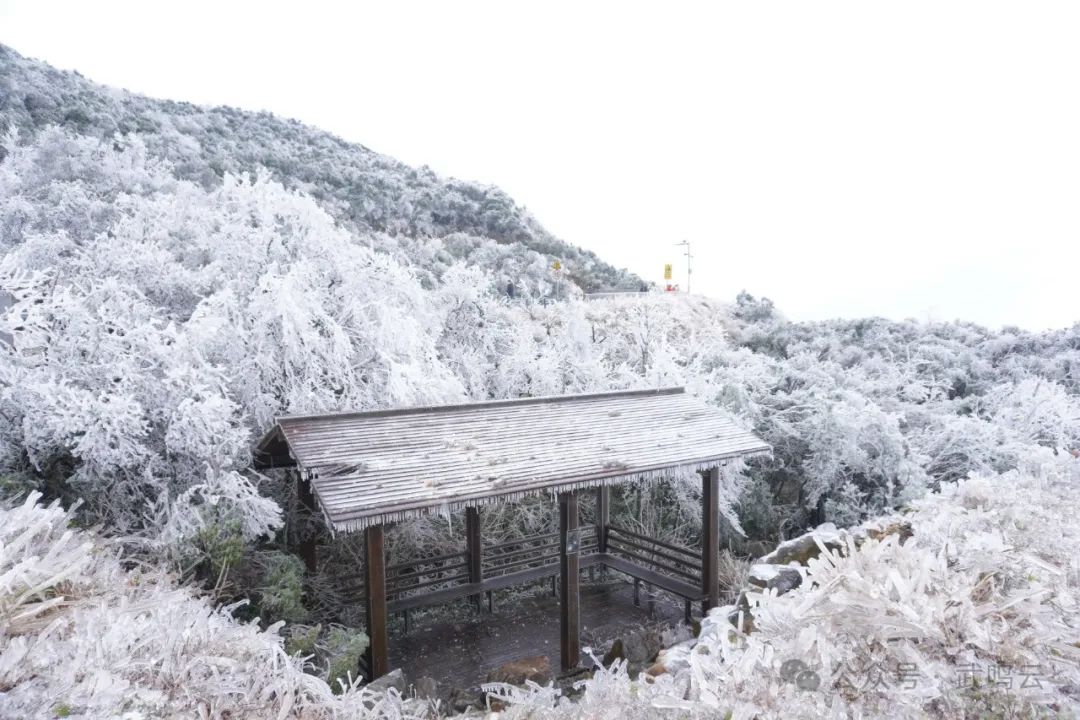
column 908, row 159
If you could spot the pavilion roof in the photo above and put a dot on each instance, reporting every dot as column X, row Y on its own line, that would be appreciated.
column 369, row 468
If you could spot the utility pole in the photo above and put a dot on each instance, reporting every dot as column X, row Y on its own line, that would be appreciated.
column 686, row 244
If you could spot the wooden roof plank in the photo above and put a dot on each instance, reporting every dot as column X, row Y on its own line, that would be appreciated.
column 381, row 466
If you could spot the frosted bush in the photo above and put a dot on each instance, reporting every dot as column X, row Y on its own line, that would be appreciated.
column 83, row 638
column 148, row 355
column 974, row 615
column 1037, row 411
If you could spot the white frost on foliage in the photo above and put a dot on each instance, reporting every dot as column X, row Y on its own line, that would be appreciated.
column 83, row 638
column 224, row 494
column 160, row 324
column 988, row 587
column 158, row 327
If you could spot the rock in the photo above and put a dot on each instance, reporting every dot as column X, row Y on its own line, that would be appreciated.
column 393, row 679
column 725, row 619
column 673, row 659
column 805, row 547
column 656, row 669
column 464, row 700
column 760, row 574
column 782, row 578
column 565, row 683
column 901, row 528
column 617, row 652
column 641, row 646
column 677, row 634
column 536, row 668
column 757, row 548
column 426, row 688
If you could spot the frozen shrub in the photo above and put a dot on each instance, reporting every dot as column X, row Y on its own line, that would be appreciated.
column 281, row 594
column 344, row 648
column 83, row 638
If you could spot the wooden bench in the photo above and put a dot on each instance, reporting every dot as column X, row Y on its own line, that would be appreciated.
column 665, row 582
column 685, row 590
column 487, row 585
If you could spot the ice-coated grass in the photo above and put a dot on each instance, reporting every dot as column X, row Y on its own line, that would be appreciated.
column 81, row 637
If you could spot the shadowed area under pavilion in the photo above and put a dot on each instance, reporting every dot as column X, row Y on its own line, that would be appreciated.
column 459, row 651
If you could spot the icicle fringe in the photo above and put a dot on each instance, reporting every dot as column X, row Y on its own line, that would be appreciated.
column 451, row 506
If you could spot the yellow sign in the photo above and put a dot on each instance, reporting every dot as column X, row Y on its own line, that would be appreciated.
column 556, row 265
column 667, row 271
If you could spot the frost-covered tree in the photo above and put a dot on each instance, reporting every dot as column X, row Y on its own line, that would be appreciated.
column 366, row 191
column 150, row 349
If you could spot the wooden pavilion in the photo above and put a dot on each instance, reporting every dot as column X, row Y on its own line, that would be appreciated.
column 366, row 470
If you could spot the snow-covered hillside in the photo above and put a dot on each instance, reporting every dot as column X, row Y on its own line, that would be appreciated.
column 366, row 191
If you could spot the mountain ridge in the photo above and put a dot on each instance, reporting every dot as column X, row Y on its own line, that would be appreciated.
column 359, row 187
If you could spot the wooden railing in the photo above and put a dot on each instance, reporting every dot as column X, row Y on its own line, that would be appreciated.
column 404, row 578
column 527, row 553
column 439, row 572
column 440, row 578
column 672, row 560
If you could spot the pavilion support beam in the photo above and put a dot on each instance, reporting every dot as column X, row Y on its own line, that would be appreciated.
column 375, row 574
column 710, row 538
column 475, row 549
column 306, row 546
column 569, row 577
column 603, row 517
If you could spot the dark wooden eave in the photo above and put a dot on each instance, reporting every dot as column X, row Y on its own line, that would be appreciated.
column 384, row 466
column 273, row 451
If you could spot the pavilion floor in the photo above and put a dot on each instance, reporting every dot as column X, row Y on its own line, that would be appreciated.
column 459, row 652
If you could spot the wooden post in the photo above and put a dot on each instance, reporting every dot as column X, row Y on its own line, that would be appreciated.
column 569, row 608
column 710, row 538
column 306, row 545
column 375, row 573
column 603, row 517
column 473, row 543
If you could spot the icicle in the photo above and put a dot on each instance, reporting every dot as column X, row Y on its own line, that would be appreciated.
column 449, row 505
